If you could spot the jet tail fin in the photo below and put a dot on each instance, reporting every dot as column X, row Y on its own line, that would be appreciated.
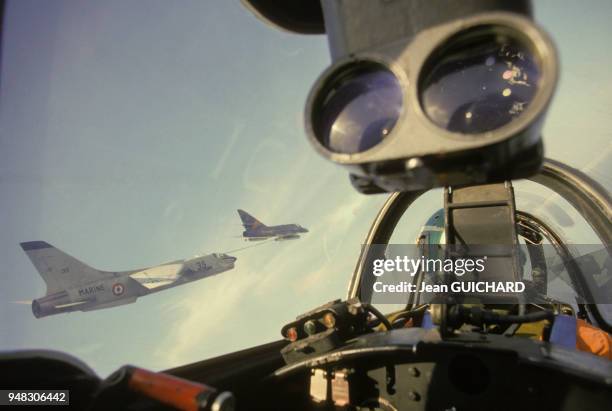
column 248, row 221
column 59, row 270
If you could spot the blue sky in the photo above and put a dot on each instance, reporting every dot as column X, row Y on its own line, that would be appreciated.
column 130, row 132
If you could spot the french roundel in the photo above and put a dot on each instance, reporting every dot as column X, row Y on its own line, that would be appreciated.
column 118, row 289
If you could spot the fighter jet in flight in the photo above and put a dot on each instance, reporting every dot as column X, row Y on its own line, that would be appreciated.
column 255, row 230
column 75, row 286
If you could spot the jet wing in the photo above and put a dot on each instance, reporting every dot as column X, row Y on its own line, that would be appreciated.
column 158, row 276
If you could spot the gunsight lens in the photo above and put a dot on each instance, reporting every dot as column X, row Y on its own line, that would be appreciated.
column 358, row 109
column 479, row 81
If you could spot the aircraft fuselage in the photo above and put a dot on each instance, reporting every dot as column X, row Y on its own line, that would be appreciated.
column 127, row 287
column 280, row 232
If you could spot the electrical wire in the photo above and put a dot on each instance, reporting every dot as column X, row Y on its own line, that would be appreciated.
column 401, row 317
column 477, row 316
column 380, row 316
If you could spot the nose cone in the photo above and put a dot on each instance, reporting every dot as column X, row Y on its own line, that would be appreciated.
column 304, row 230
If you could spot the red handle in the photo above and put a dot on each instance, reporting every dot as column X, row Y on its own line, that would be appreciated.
column 179, row 393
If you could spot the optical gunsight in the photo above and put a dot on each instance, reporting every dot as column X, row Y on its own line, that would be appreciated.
column 417, row 98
